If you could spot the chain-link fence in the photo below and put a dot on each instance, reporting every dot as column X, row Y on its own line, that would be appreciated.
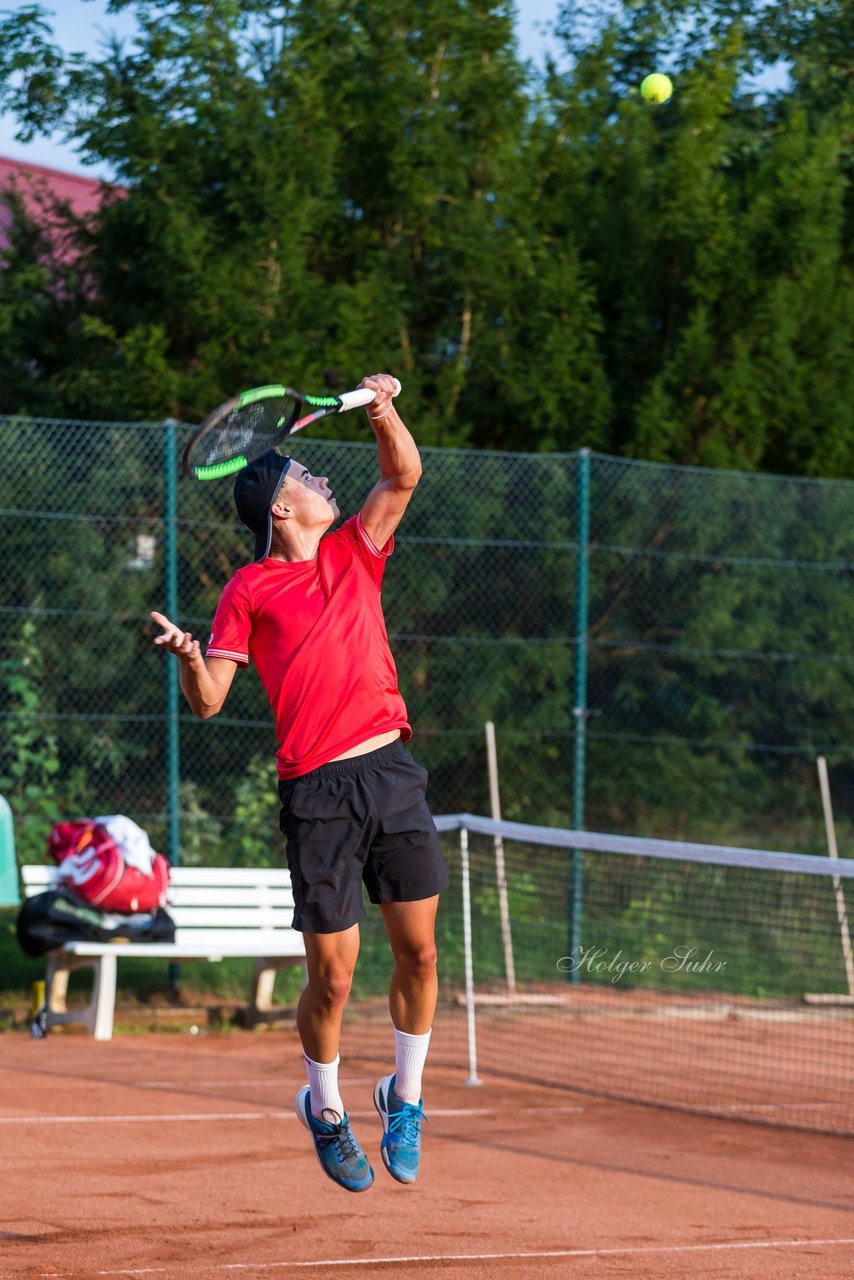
column 677, row 678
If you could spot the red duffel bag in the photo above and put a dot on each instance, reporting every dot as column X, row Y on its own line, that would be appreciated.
column 121, row 874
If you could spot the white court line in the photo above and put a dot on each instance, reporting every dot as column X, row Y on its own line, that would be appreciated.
column 219, row 1084
column 778, row 1106
column 150, row 1116
column 623, row 1251
column 210, row 1115
column 123, row 1271
column 196, row 1084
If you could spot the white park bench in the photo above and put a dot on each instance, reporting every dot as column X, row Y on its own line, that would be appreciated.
column 218, row 912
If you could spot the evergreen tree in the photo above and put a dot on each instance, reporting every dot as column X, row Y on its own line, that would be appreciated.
column 313, row 191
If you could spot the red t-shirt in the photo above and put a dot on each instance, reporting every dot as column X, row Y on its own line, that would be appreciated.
column 315, row 631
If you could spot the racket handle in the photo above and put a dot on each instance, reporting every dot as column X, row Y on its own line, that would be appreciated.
column 352, row 399
column 362, row 395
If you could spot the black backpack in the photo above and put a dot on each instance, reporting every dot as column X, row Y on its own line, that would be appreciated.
column 49, row 920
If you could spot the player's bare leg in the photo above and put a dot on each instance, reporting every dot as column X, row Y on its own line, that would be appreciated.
column 330, row 960
column 412, row 1002
column 414, row 985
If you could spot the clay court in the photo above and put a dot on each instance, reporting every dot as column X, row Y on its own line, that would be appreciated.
column 180, row 1155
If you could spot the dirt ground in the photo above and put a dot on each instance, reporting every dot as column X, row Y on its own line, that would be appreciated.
column 180, row 1155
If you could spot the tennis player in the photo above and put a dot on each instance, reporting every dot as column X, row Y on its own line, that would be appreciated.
column 307, row 613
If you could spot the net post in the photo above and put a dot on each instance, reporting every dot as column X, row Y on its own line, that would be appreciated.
column 579, row 709
column 173, row 753
column 467, row 952
column 500, row 868
column 833, row 852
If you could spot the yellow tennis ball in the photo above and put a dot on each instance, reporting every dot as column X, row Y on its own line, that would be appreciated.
column 657, row 88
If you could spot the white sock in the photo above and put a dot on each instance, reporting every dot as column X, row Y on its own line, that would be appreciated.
column 410, row 1054
column 323, row 1088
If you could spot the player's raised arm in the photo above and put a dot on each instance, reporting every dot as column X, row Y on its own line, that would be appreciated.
column 400, row 465
column 204, row 682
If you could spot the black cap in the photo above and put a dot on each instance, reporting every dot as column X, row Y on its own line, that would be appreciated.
column 255, row 490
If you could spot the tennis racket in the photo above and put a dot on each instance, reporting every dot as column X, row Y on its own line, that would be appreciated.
column 243, row 428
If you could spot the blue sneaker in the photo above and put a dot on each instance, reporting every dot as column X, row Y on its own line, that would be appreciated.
column 341, row 1158
column 401, row 1144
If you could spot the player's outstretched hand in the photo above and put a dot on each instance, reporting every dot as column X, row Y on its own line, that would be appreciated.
column 174, row 640
column 385, row 386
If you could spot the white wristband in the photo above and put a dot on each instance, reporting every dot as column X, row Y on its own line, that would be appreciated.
column 374, row 417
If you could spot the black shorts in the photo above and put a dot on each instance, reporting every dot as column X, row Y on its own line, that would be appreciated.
column 362, row 819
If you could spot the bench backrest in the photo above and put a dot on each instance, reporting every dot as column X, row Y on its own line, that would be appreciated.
column 209, row 902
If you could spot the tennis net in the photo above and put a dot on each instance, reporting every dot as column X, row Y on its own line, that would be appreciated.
column 697, row 977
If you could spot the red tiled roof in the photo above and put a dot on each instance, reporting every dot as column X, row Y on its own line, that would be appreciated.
column 83, row 195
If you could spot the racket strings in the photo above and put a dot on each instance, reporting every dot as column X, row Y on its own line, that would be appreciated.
column 249, row 430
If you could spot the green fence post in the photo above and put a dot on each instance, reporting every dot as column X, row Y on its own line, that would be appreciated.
column 8, row 862
column 579, row 709
column 173, row 690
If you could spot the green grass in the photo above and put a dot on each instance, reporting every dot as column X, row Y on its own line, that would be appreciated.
column 17, row 971
column 777, row 934
column 138, row 979
column 229, row 979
